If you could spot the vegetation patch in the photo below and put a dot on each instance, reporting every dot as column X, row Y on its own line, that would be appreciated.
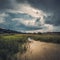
column 10, row 45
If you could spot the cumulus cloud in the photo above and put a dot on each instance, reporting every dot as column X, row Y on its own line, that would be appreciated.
column 26, row 19
column 34, row 25
column 49, row 28
column 25, row 22
column 56, row 29
column 26, row 8
column 30, row 15
column 45, row 28
column 52, row 6
column 2, row 17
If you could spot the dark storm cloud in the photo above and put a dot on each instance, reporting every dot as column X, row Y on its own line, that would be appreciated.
column 16, row 25
column 52, row 6
column 5, row 4
column 48, row 6
column 43, row 4
column 40, row 4
column 54, row 20
column 21, row 1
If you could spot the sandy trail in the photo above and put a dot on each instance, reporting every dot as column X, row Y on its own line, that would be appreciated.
column 41, row 51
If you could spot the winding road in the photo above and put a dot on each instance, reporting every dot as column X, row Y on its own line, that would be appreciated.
column 41, row 51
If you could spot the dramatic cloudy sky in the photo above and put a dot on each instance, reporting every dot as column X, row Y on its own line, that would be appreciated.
column 30, row 15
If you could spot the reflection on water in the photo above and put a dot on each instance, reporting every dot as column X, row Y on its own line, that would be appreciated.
column 36, row 50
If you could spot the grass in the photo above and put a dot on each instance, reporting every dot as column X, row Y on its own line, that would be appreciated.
column 46, row 38
column 11, row 44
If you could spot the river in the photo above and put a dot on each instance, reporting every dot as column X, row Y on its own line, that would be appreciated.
column 37, row 50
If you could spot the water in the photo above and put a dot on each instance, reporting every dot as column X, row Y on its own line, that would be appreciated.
column 37, row 50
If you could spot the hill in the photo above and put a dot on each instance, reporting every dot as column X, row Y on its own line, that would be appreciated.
column 7, row 31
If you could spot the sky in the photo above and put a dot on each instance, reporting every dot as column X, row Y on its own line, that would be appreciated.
column 30, row 15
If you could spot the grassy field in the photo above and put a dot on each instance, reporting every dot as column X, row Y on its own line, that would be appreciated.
column 10, row 44
column 46, row 38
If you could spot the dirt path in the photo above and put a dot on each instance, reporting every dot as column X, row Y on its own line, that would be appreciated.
column 41, row 51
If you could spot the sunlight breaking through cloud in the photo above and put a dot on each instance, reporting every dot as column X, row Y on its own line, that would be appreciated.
column 26, row 18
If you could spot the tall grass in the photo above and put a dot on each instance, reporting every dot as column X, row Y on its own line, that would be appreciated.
column 47, row 38
column 11, row 44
